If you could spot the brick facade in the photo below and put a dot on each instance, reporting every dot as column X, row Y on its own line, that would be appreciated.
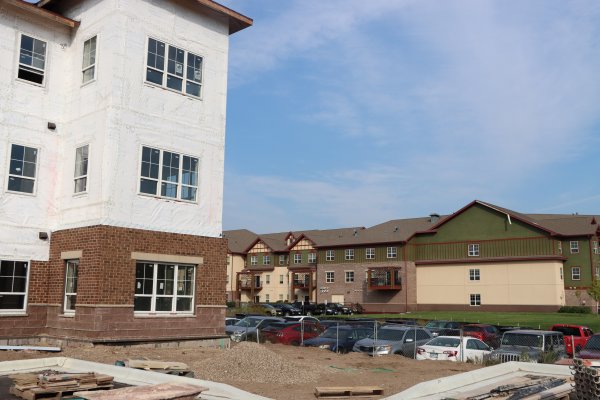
column 106, row 285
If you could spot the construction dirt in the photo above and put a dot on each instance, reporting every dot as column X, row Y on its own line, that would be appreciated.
column 275, row 371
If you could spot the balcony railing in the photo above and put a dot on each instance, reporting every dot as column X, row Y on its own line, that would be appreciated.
column 384, row 279
column 301, row 281
column 249, row 281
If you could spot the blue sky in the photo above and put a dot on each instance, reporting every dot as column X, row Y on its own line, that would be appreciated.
column 352, row 112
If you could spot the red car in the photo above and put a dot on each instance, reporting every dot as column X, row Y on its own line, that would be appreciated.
column 293, row 333
column 591, row 350
column 486, row 333
column 575, row 336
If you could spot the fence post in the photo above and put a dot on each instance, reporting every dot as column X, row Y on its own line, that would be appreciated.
column 573, row 345
column 337, row 337
column 302, row 332
column 461, row 347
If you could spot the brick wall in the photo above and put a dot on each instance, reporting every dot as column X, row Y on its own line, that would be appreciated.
column 106, row 285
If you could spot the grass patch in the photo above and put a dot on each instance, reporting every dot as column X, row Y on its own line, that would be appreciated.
column 531, row 320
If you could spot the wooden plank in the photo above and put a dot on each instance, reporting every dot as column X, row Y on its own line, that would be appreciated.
column 163, row 391
column 37, row 348
column 336, row 392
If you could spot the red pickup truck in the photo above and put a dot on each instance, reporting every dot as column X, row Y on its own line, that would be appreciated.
column 575, row 335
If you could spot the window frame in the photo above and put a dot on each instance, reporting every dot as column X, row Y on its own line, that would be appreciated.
column 392, row 252
column 25, row 294
column 474, row 274
column 297, row 258
column 174, row 296
column 348, row 254
column 92, row 66
column 473, row 250
column 159, row 180
column 329, row 276
column 595, row 249
column 253, row 260
column 30, row 67
column 475, row 299
column 66, row 294
column 370, row 253
column 329, row 255
column 281, row 279
column 83, row 176
column 282, row 259
column 312, row 258
column 267, row 279
column 574, row 246
column 266, row 260
column 349, row 276
column 9, row 174
column 165, row 74
column 575, row 271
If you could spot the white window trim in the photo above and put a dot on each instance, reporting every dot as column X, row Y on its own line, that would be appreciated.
column 312, row 258
column 473, row 250
column 253, row 260
column 174, row 296
column 46, row 60
column 328, row 279
column 474, row 274
column 574, row 249
column 164, row 85
column 87, row 175
column 392, row 252
column 95, row 65
column 266, row 260
column 26, row 294
column 159, row 180
column 329, row 255
column 37, row 170
column 281, row 279
column 281, row 260
column 475, row 298
column 349, row 254
column 66, row 294
column 370, row 253
column 573, row 269
column 297, row 258
column 595, row 247
column 346, row 276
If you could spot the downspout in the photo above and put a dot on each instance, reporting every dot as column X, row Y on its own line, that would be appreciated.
column 405, row 276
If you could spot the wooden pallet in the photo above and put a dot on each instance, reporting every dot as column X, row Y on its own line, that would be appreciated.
column 49, row 394
column 57, row 386
column 340, row 392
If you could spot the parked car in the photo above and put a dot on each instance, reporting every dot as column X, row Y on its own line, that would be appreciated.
column 294, row 333
column 393, row 339
column 486, row 333
column 271, row 310
column 340, row 338
column 530, row 345
column 327, row 309
column 287, row 309
column 574, row 335
column 307, row 307
column 300, row 318
column 231, row 321
column 452, row 348
column 340, row 308
column 591, row 350
column 246, row 328
column 442, row 327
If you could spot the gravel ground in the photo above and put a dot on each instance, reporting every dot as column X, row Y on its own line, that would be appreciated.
column 276, row 371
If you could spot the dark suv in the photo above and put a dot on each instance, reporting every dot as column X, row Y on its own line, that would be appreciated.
column 530, row 346
column 340, row 338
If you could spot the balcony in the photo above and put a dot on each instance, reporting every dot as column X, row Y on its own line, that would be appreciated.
column 302, row 281
column 384, row 279
column 249, row 281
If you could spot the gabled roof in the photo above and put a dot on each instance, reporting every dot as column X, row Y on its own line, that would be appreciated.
column 47, row 14
column 569, row 225
column 238, row 240
column 237, row 21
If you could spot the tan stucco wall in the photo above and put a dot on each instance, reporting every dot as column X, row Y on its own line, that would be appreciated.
column 515, row 283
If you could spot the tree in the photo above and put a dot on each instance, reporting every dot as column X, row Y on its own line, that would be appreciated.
column 594, row 292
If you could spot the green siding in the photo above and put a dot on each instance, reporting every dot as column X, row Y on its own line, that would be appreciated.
column 360, row 255
column 581, row 259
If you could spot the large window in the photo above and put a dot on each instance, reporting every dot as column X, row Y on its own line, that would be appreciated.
column 473, row 250
column 474, row 274
column 370, row 253
column 88, row 67
column 349, row 254
column 71, row 286
column 32, row 60
column 22, row 172
column 349, row 276
column 81, row 168
column 164, row 288
column 329, row 276
column 183, row 72
column 168, row 174
column 575, row 273
column 13, row 285
column 475, row 300
column 266, row 260
column 297, row 258
column 330, row 255
column 253, row 260
column 392, row 252
column 574, row 245
column 312, row 258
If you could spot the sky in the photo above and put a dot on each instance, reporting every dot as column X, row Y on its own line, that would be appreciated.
column 350, row 112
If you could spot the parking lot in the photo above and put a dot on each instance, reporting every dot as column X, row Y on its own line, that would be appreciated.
column 277, row 371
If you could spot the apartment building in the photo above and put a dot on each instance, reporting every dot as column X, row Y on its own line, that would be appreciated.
column 113, row 127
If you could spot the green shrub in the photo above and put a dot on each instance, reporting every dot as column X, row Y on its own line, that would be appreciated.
column 230, row 304
column 575, row 310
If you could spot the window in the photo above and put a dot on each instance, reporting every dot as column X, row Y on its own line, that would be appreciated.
column 282, row 260
column 597, row 272
column 81, row 168
column 21, row 175
column 575, row 273
column 164, row 288
column 280, row 297
column 349, row 276
column 312, row 258
column 392, row 252
column 474, row 275
column 475, row 300
column 253, row 260
column 329, row 277
column 267, row 298
column 268, row 279
column 184, row 69
column 595, row 247
column 330, row 255
column 32, row 60
column 88, row 67
column 70, row 286
column 297, row 258
column 559, row 247
column 349, row 254
column 574, row 245
column 13, row 285
column 561, row 273
column 281, row 279
column 370, row 253
column 178, row 178
column 473, row 250
column 266, row 260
